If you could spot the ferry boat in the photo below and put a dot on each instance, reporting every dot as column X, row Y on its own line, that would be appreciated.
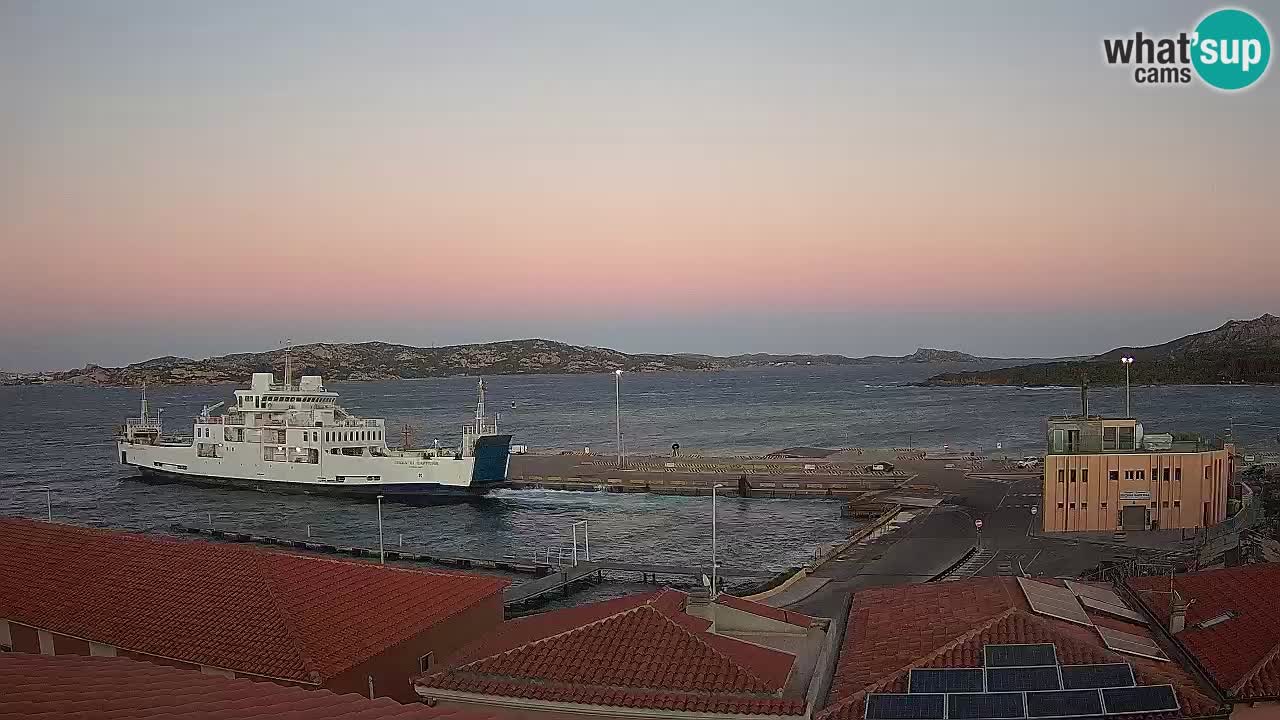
column 296, row 438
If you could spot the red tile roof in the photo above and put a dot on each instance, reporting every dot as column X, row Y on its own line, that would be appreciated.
column 73, row 687
column 638, row 651
column 1240, row 653
column 894, row 629
column 229, row 606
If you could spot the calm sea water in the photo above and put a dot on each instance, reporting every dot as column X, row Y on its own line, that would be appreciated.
column 60, row 437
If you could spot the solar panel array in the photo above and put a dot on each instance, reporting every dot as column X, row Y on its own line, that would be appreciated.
column 1040, row 690
column 1133, row 644
column 1053, row 601
column 1119, row 611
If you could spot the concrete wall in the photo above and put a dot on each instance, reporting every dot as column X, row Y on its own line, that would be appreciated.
column 393, row 670
column 1179, row 490
column 1256, row 711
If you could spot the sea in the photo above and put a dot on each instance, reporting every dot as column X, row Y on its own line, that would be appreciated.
column 57, row 453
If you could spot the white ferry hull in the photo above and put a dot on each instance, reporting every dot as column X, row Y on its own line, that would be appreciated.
column 400, row 478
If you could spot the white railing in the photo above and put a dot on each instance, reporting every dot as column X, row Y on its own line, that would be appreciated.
column 144, row 423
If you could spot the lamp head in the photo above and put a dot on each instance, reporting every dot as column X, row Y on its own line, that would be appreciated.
column 617, row 372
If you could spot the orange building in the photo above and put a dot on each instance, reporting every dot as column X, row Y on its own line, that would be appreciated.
column 1104, row 474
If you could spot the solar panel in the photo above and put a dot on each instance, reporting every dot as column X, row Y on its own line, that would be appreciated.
column 920, row 706
column 1119, row 611
column 1019, row 655
column 1141, row 699
column 985, row 706
column 949, row 680
column 1023, row 679
column 1063, row 704
column 1078, row 677
column 1131, row 644
column 1096, row 593
column 1053, row 601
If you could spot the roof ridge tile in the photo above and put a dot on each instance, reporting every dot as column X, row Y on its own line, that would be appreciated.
column 541, row 640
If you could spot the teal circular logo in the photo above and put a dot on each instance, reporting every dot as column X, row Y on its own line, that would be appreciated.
column 1232, row 49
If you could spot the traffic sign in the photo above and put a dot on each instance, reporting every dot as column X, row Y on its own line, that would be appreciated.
column 977, row 524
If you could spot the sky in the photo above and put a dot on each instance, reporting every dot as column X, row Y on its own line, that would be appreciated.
column 192, row 178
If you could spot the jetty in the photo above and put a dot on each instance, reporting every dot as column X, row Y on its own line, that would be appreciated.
column 551, row 578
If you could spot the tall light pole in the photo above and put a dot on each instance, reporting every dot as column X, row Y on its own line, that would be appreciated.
column 382, row 555
column 617, row 397
column 714, row 562
column 48, row 503
column 1127, row 361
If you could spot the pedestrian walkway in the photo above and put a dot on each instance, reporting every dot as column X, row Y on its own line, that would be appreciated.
column 971, row 566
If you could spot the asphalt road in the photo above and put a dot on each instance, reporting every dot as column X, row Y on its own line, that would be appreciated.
column 937, row 538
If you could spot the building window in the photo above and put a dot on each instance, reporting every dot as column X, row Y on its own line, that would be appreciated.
column 1165, row 503
column 1153, row 503
column 425, row 662
column 1084, row 475
column 1128, row 474
column 1058, row 435
column 1059, row 506
column 1126, row 438
column 1166, row 474
column 1113, row 475
column 1104, row 506
column 1177, row 474
column 1141, row 474
column 1073, row 506
column 1177, row 503
column 1062, row 475
column 1073, row 476
column 1108, row 438
column 1084, row 506
column 1208, row 472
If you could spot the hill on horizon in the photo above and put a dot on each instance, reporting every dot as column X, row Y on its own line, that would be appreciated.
column 376, row 360
column 1238, row 351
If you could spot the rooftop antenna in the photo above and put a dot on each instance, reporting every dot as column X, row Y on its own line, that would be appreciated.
column 1084, row 397
column 144, row 401
column 406, row 436
column 480, row 408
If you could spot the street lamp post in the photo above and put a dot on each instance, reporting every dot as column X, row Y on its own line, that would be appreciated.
column 714, row 562
column 382, row 555
column 617, row 398
column 1127, row 361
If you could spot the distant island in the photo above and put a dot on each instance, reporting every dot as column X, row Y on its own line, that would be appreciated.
column 1240, row 351
column 387, row 361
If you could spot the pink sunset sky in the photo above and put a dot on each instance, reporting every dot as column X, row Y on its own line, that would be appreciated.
column 192, row 179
